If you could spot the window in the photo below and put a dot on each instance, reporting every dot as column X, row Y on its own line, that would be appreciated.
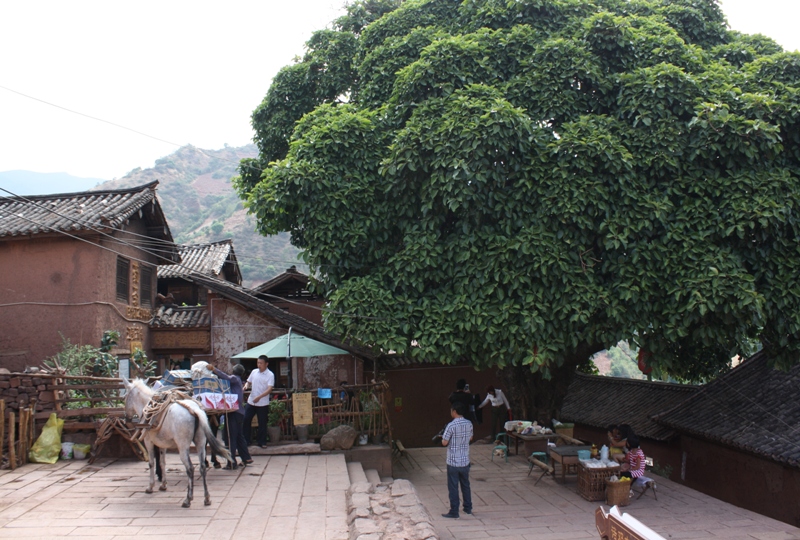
column 123, row 283
column 146, row 286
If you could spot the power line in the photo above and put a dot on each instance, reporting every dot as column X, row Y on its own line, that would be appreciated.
column 89, row 116
column 190, row 270
column 97, row 119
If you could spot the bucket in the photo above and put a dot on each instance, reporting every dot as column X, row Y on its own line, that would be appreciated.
column 66, row 450
column 81, row 451
column 583, row 455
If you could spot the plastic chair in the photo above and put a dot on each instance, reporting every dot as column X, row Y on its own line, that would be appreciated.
column 499, row 446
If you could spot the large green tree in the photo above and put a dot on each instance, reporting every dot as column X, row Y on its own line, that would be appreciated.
column 521, row 183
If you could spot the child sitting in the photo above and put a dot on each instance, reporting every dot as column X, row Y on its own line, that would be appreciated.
column 634, row 468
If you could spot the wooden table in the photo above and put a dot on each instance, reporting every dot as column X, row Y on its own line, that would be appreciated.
column 567, row 456
column 530, row 438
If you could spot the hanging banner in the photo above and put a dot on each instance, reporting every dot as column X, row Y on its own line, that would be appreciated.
column 301, row 407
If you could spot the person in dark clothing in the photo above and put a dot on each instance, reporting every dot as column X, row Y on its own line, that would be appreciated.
column 235, row 420
column 463, row 395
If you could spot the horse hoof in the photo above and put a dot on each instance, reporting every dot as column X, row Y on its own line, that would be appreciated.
column 148, row 490
column 207, row 502
column 186, row 504
column 162, row 488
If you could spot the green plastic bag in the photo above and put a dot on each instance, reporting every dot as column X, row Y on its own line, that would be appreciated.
column 47, row 447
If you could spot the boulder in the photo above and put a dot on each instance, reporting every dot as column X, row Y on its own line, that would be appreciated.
column 339, row 438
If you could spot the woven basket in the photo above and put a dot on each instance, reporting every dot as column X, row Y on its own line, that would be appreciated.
column 618, row 493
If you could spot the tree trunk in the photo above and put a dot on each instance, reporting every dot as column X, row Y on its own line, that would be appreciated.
column 533, row 397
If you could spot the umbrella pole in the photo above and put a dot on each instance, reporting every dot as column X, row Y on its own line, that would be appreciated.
column 289, row 358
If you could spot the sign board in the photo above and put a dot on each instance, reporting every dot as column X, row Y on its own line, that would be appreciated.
column 613, row 525
column 398, row 404
column 136, row 346
column 124, row 371
column 301, row 407
column 284, row 369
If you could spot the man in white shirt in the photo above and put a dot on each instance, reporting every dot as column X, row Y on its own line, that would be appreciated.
column 500, row 407
column 260, row 383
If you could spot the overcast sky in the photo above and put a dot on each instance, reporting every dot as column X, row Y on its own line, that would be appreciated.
column 185, row 72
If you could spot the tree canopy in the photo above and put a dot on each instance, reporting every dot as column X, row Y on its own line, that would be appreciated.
column 522, row 183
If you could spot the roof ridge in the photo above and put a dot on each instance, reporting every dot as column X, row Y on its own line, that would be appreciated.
column 135, row 189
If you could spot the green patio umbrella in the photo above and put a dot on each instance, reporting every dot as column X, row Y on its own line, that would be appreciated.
column 301, row 346
column 291, row 345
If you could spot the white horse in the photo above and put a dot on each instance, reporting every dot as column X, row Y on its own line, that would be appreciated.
column 184, row 422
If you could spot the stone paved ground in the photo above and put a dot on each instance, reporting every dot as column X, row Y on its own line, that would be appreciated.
column 507, row 506
column 282, row 497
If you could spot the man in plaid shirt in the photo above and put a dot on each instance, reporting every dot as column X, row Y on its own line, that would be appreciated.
column 457, row 436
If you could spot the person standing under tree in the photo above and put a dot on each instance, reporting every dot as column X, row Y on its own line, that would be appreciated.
column 500, row 407
column 260, row 382
column 457, row 436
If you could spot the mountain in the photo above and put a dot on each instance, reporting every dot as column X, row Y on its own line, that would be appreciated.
column 201, row 205
column 35, row 183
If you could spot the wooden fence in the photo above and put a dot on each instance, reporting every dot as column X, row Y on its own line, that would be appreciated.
column 28, row 400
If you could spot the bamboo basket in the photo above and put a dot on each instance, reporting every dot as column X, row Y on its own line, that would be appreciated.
column 618, row 493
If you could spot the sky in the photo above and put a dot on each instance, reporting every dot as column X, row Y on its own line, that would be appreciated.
column 181, row 72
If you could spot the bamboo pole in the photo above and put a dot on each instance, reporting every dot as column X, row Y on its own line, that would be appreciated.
column 24, row 422
column 2, row 426
column 12, row 451
column 32, row 431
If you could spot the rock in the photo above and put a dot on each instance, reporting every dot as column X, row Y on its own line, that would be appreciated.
column 365, row 526
column 401, row 487
column 339, row 438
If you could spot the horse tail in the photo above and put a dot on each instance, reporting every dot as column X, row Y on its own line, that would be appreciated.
column 216, row 446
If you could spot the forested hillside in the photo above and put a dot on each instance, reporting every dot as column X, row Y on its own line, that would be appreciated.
column 201, row 206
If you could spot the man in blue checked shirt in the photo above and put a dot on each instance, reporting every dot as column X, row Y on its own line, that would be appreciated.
column 457, row 436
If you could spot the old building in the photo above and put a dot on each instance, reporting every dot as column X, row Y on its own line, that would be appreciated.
column 740, row 438
column 230, row 319
column 75, row 265
column 289, row 291
column 594, row 403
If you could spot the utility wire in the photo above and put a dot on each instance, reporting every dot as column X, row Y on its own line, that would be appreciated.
column 143, row 134
column 191, row 270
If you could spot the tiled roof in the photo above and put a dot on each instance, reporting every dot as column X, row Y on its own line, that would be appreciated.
column 207, row 259
column 752, row 407
column 291, row 275
column 303, row 326
column 601, row 401
column 75, row 213
column 180, row 317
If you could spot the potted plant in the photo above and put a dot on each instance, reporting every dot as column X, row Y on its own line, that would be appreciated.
column 277, row 414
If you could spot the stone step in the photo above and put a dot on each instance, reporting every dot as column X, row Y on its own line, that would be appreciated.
column 356, row 473
column 373, row 477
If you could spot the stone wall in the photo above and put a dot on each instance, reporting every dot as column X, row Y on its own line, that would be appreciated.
column 388, row 510
column 19, row 389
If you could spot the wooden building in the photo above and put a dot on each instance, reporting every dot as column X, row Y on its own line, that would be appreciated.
column 740, row 438
column 76, row 264
column 289, row 291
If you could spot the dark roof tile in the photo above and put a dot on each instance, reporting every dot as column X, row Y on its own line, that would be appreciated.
column 86, row 211
column 207, row 259
column 602, row 401
column 180, row 317
column 752, row 407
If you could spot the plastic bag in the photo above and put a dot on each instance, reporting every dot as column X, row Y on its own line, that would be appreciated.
column 47, row 447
